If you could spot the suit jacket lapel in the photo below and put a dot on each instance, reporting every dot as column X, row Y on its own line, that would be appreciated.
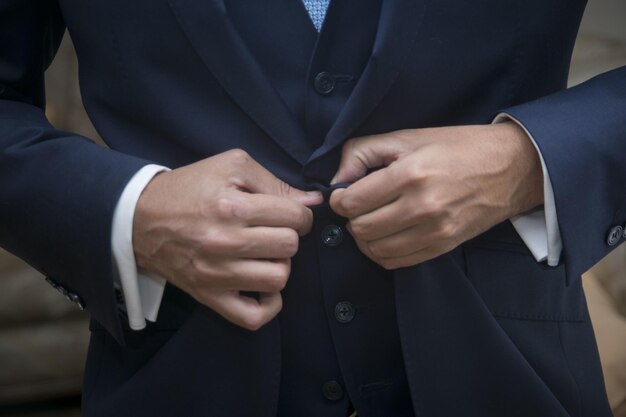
column 398, row 26
column 207, row 26
column 217, row 42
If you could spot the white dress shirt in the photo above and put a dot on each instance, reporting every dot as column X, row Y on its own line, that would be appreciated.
column 143, row 291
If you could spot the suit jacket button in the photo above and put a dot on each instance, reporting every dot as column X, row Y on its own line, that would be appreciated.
column 75, row 298
column 51, row 282
column 332, row 390
column 344, row 312
column 324, row 83
column 332, row 235
column 614, row 236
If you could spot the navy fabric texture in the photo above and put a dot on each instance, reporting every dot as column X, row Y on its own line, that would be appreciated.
column 482, row 331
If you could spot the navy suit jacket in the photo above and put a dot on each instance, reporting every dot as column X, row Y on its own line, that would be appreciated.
column 171, row 82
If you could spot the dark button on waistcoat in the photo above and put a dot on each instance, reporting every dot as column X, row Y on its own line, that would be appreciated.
column 324, row 83
column 331, row 390
column 344, row 312
column 341, row 54
column 367, row 344
column 332, row 235
column 315, row 346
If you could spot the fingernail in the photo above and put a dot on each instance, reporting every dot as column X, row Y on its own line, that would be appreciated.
column 334, row 180
column 314, row 194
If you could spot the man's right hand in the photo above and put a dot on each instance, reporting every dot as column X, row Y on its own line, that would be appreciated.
column 221, row 226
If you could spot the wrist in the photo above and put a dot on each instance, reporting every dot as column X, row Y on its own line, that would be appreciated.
column 526, row 172
column 145, row 217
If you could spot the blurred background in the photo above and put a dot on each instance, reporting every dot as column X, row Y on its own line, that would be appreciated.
column 43, row 338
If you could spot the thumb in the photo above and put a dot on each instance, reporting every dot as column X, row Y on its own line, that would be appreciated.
column 368, row 152
column 262, row 181
column 307, row 198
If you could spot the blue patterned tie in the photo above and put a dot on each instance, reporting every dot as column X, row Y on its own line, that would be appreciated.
column 317, row 11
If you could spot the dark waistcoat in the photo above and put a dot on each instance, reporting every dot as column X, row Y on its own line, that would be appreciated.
column 339, row 334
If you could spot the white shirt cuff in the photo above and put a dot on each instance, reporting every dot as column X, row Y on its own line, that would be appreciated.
column 539, row 229
column 142, row 292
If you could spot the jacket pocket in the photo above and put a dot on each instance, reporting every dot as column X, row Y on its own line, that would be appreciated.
column 514, row 285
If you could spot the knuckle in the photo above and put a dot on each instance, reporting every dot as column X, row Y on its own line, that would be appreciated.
column 294, row 215
column 431, row 207
column 275, row 280
column 211, row 242
column 224, row 206
column 408, row 176
column 239, row 155
column 389, row 265
column 299, row 218
column 360, row 229
column 346, row 206
column 290, row 244
column 254, row 320
column 278, row 280
column 306, row 224
column 237, row 180
column 446, row 231
column 199, row 274
column 284, row 188
column 276, row 283
column 348, row 148
column 229, row 207
column 377, row 250
column 306, row 218
column 240, row 208
column 349, row 144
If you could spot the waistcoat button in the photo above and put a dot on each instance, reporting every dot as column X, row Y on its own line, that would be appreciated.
column 332, row 390
column 344, row 312
column 324, row 83
column 332, row 235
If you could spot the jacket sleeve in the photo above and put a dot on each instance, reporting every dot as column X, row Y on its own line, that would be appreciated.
column 581, row 133
column 58, row 190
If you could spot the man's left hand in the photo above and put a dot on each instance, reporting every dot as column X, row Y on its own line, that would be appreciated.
column 435, row 189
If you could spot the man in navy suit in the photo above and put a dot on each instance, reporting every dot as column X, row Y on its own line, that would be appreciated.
column 329, row 175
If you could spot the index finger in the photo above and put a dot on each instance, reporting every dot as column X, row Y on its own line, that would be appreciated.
column 272, row 211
